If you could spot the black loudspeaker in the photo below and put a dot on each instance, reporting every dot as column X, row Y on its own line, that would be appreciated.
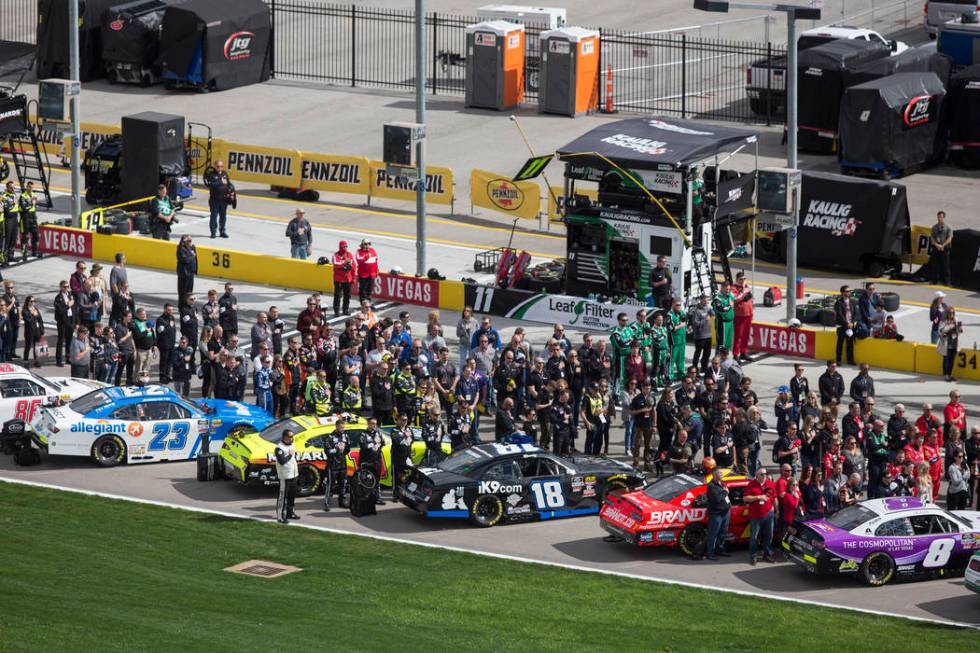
column 153, row 148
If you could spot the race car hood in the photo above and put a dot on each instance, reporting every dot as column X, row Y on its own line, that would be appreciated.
column 222, row 408
column 441, row 478
column 971, row 516
column 593, row 464
column 74, row 387
column 251, row 445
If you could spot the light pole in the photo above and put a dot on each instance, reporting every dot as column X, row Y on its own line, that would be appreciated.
column 76, row 139
column 420, row 151
column 793, row 14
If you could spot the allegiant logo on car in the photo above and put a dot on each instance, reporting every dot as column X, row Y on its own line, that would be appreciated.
column 668, row 517
column 98, row 428
column 412, row 290
column 782, row 340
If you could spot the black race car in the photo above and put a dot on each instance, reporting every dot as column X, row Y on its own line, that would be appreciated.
column 493, row 483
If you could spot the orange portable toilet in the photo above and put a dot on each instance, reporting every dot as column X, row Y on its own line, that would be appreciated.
column 569, row 81
column 494, row 65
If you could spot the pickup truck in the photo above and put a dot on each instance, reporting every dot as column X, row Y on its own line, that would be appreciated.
column 765, row 79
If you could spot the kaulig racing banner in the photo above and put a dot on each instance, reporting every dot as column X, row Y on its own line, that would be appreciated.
column 846, row 221
column 570, row 311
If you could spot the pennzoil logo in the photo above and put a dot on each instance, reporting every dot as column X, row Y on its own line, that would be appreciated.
column 505, row 194
column 239, row 46
column 263, row 164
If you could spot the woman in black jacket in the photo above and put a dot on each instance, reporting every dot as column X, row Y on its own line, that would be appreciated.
column 33, row 329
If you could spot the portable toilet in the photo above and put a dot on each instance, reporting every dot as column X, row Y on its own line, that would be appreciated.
column 494, row 65
column 569, row 71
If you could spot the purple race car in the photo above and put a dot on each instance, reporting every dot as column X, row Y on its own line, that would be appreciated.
column 882, row 538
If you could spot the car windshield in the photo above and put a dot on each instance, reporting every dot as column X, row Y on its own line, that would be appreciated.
column 851, row 517
column 462, row 462
column 670, row 487
column 47, row 383
column 92, row 401
column 273, row 433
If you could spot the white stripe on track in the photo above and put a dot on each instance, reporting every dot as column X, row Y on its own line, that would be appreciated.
column 488, row 554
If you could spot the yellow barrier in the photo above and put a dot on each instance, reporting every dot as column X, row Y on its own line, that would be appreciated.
column 520, row 199
column 334, row 173
column 55, row 143
column 451, row 295
column 264, row 165
column 966, row 367
column 556, row 191
column 439, row 184
column 889, row 354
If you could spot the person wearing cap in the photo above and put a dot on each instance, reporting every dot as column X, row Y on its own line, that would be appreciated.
column 367, row 269
column 300, row 236
column 724, row 307
column 937, row 309
column 344, row 273
column 760, row 495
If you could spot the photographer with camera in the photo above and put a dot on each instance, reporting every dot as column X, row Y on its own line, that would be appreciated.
column 221, row 193
column 344, row 273
column 162, row 214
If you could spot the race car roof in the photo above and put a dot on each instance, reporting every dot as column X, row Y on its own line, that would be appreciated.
column 8, row 368
column 892, row 505
column 652, row 143
column 141, row 392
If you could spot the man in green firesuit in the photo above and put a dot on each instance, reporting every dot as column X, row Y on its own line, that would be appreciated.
column 677, row 319
column 621, row 340
column 724, row 306
column 660, row 370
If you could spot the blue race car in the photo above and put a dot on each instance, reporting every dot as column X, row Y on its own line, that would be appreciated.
column 141, row 424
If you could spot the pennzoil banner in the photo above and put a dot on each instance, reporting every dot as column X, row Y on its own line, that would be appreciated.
column 438, row 184
column 56, row 143
column 498, row 193
column 263, row 165
column 334, row 173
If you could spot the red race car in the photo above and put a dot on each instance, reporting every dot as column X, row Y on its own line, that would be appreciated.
column 673, row 512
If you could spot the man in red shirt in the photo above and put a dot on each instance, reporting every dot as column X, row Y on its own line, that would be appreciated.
column 743, row 318
column 954, row 414
column 913, row 451
column 928, row 422
column 367, row 270
column 932, row 453
column 344, row 273
column 785, row 474
column 760, row 494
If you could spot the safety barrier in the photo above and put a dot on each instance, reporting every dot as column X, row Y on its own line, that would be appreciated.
column 263, row 269
column 520, row 199
column 438, row 184
column 56, row 143
column 920, row 236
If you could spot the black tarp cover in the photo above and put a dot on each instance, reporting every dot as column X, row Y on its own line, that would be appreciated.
column 963, row 112
column 131, row 31
column 237, row 39
column 822, row 72
column 923, row 59
column 846, row 220
column 895, row 122
column 655, row 143
column 52, row 38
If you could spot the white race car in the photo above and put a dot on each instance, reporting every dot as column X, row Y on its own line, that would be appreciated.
column 22, row 392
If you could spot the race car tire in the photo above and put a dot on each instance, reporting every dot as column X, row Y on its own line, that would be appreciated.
column 487, row 510
column 613, row 487
column 27, row 457
column 691, row 539
column 877, row 569
column 109, row 451
column 309, row 481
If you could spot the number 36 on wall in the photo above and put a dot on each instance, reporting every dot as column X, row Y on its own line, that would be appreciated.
column 221, row 260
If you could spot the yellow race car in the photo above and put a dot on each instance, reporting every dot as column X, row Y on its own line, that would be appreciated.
column 249, row 458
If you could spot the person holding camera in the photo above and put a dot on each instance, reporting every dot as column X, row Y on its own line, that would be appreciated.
column 344, row 273
column 949, row 338
column 161, row 214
